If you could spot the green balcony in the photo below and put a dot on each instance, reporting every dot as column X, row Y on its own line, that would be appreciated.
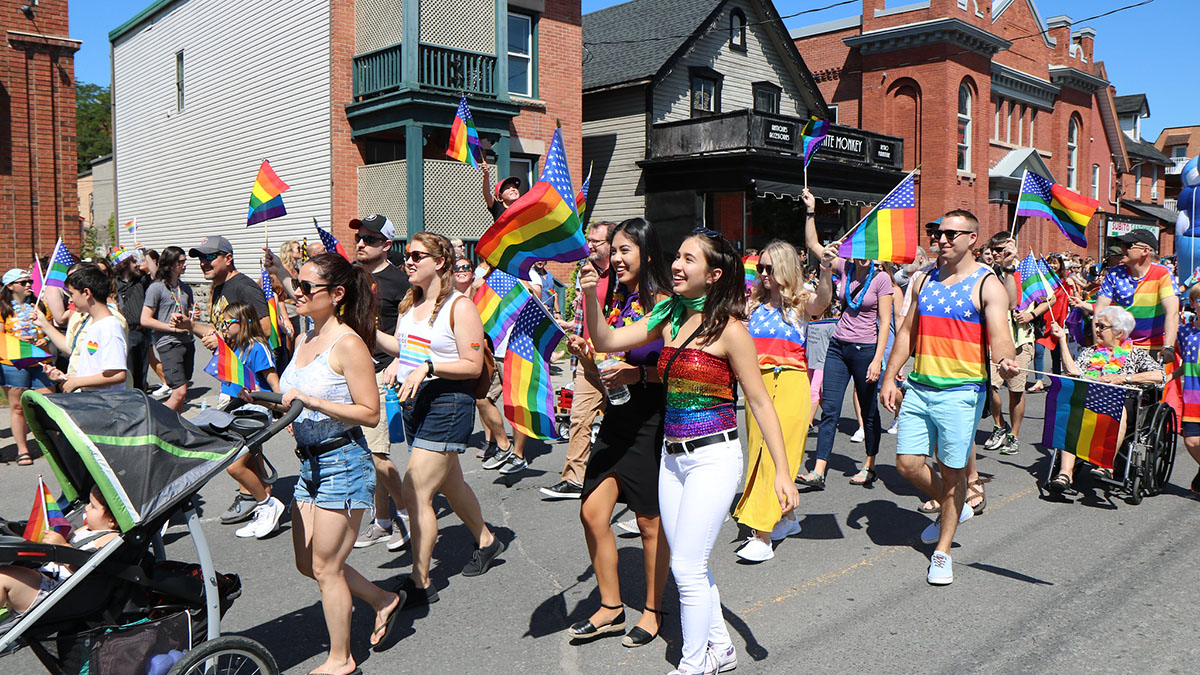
column 378, row 72
column 439, row 68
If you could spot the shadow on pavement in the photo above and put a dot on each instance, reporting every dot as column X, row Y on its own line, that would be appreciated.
column 887, row 523
column 1010, row 574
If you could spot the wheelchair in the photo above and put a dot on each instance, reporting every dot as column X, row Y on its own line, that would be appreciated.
column 1145, row 456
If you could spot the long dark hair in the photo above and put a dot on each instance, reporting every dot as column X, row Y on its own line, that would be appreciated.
column 653, row 277
column 6, row 301
column 727, row 297
column 357, row 307
column 167, row 260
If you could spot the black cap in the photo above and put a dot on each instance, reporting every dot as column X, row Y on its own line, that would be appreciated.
column 1140, row 236
column 211, row 245
column 375, row 223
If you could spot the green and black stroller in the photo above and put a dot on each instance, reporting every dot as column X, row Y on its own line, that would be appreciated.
column 126, row 609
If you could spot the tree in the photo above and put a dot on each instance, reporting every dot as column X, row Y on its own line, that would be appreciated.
column 93, row 122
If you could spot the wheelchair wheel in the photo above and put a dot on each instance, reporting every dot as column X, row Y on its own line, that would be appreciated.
column 1136, row 488
column 1164, row 455
column 227, row 655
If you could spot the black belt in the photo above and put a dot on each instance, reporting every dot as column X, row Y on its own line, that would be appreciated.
column 314, row 451
column 676, row 447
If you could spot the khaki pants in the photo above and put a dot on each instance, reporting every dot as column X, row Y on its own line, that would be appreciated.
column 378, row 440
column 588, row 402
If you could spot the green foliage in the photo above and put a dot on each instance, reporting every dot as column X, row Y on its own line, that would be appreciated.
column 569, row 310
column 93, row 122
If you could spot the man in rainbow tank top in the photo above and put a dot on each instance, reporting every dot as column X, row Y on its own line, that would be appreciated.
column 1147, row 289
column 944, row 329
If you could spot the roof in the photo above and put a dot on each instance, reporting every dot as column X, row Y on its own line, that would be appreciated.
column 1143, row 150
column 1153, row 210
column 1012, row 165
column 138, row 18
column 1132, row 104
column 1177, row 139
column 641, row 36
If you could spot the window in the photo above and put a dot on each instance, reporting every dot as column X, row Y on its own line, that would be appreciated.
column 523, row 168
column 737, row 30
column 706, row 92
column 1073, row 154
column 1179, row 151
column 1007, row 122
column 179, row 80
column 1032, row 117
column 1095, row 181
column 996, row 124
column 766, row 97
column 520, row 54
column 1137, row 182
column 833, row 113
column 964, row 127
column 1021, row 127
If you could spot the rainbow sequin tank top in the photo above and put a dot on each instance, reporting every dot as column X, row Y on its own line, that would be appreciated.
column 949, row 351
column 778, row 343
column 699, row 394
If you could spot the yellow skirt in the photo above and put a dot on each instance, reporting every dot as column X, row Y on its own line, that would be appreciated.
column 789, row 391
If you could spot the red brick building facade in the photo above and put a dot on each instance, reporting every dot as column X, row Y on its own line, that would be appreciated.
column 38, row 196
column 979, row 91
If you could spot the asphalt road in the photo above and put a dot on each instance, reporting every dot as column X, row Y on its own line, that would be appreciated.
column 1097, row 585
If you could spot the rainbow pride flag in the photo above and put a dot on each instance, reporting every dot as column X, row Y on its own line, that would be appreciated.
column 812, row 135
column 19, row 353
column 1043, row 198
column 750, row 263
column 581, row 198
column 332, row 245
column 45, row 515
column 499, row 300
column 131, row 227
column 227, row 367
column 1083, row 418
column 541, row 225
column 528, row 392
column 464, row 139
column 1032, row 278
column 266, row 197
column 272, row 310
column 60, row 262
column 889, row 232
column 35, row 276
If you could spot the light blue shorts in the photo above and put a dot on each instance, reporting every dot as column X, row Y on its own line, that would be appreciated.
column 941, row 420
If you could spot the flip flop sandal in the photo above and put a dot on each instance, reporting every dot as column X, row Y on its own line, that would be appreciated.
column 927, row 508
column 24, row 460
column 864, row 478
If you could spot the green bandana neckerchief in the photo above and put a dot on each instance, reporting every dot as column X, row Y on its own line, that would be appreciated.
column 674, row 309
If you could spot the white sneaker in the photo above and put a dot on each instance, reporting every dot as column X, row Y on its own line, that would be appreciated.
column 786, row 527
column 895, row 427
column 264, row 521
column 719, row 660
column 858, row 436
column 755, row 550
column 934, row 531
column 629, row 526
column 163, row 391
column 941, row 569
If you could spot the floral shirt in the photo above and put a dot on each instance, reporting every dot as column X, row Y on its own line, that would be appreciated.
column 1124, row 360
column 21, row 322
column 627, row 309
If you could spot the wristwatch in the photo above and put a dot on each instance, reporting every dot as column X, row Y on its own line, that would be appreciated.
column 1127, row 378
column 429, row 368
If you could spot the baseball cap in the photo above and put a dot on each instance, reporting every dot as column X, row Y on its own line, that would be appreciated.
column 1114, row 250
column 1140, row 237
column 511, row 181
column 375, row 223
column 211, row 245
column 13, row 275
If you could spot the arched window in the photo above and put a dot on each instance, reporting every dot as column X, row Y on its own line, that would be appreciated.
column 737, row 30
column 964, row 127
column 1073, row 154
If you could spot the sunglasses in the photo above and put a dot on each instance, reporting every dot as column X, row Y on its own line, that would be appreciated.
column 308, row 287
column 462, row 268
column 227, row 323
column 1101, row 326
column 950, row 235
column 765, row 269
column 209, row 257
column 23, row 282
column 417, row 256
column 711, row 234
column 370, row 240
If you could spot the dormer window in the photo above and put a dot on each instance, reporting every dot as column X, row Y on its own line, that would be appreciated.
column 737, row 30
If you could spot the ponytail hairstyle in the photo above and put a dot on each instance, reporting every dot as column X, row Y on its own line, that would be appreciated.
column 249, row 328
column 170, row 256
column 787, row 273
column 726, row 299
column 442, row 251
column 653, row 277
column 357, row 307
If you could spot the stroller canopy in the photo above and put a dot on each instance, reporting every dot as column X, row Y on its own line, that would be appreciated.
column 144, row 456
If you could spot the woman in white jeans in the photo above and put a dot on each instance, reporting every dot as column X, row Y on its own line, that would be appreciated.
column 706, row 347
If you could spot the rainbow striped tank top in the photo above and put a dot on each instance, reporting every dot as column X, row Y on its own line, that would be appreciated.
column 777, row 341
column 949, row 350
column 699, row 394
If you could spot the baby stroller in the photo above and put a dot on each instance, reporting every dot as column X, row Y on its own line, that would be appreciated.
column 125, row 609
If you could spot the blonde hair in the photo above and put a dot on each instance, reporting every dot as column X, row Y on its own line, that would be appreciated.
column 290, row 262
column 441, row 249
column 788, row 274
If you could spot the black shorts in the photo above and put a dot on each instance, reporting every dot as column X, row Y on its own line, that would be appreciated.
column 177, row 361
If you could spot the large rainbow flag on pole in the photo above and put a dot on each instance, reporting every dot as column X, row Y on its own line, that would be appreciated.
column 464, row 139
column 541, row 225
column 889, row 232
column 812, row 135
column 499, row 300
column 272, row 311
column 227, row 367
column 46, row 515
column 60, row 262
column 1083, row 418
column 1043, row 198
column 266, row 197
column 528, row 393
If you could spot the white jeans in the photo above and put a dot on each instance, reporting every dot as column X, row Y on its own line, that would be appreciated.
column 694, row 493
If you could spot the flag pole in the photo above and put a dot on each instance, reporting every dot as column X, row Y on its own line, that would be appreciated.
column 1012, row 230
column 1072, row 378
column 864, row 218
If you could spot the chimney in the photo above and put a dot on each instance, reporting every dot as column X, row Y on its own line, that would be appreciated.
column 1086, row 37
column 1059, row 29
column 869, row 7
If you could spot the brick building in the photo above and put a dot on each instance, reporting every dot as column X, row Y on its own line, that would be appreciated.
column 1179, row 144
column 980, row 91
column 352, row 102
column 38, row 198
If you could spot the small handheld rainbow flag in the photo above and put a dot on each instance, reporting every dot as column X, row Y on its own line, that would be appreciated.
column 272, row 312
column 1031, row 277
column 227, row 367
column 499, row 300
column 45, row 515
column 1043, row 198
column 581, row 198
column 812, row 135
column 60, row 262
column 131, row 227
column 750, row 263
column 528, row 392
column 19, row 353
column 889, row 231
column 464, row 139
column 541, row 225
column 35, row 276
column 332, row 245
column 266, row 197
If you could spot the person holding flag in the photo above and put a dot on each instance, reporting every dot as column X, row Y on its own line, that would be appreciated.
column 507, row 192
column 1147, row 289
column 228, row 286
column 18, row 312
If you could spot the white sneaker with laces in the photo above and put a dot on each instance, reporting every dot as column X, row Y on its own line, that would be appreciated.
column 895, row 428
column 719, row 659
column 941, row 569
column 933, row 532
column 786, row 527
column 163, row 391
column 629, row 526
column 858, row 436
column 399, row 533
column 755, row 550
column 264, row 521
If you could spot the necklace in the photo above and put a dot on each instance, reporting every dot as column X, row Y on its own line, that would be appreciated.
column 1105, row 361
column 856, row 302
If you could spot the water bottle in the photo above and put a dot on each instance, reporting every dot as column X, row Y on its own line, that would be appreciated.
column 618, row 395
column 395, row 418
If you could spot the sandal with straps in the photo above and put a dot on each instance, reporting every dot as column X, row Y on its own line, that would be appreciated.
column 640, row 637
column 864, row 477
column 813, row 480
column 975, row 491
column 586, row 631
column 1060, row 484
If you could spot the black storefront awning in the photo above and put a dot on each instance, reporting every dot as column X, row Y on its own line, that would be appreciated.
column 1155, row 211
column 780, row 190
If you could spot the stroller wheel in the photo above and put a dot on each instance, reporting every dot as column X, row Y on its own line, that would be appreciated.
column 227, row 655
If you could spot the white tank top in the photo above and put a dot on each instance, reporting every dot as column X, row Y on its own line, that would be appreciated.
column 420, row 341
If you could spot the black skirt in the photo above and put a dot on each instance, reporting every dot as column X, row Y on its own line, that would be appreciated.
column 628, row 447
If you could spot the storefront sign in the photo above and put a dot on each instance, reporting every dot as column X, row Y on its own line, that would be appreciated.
column 839, row 142
column 780, row 133
column 886, row 153
column 1117, row 228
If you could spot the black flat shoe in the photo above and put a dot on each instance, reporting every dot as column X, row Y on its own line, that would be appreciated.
column 584, row 630
column 638, row 636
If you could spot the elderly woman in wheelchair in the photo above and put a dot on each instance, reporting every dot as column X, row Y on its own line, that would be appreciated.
column 1113, row 360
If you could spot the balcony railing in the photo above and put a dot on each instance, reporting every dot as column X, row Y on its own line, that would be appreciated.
column 377, row 72
column 1176, row 167
column 457, row 70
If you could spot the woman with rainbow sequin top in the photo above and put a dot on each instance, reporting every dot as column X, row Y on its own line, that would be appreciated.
column 706, row 346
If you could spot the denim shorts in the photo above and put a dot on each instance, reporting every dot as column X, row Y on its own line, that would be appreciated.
column 440, row 417
column 939, row 420
column 340, row 479
column 25, row 378
column 1190, row 429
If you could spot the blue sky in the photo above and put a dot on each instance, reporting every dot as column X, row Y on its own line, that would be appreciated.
column 1153, row 67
